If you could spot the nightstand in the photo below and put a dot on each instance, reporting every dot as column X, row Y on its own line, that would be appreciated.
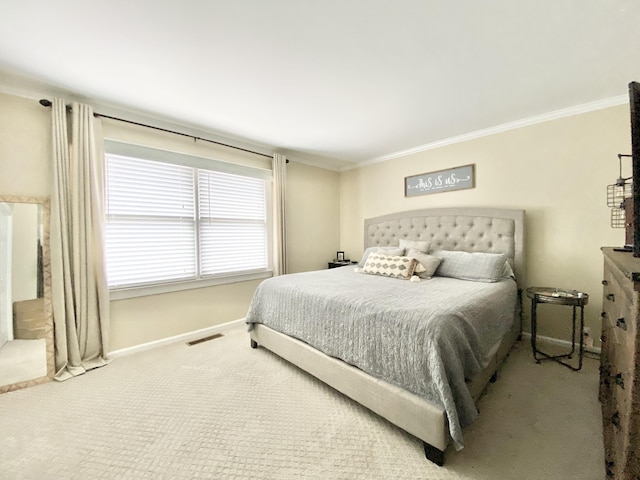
column 558, row 296
column 336, row 264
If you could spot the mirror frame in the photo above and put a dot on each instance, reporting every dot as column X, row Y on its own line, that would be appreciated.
column 46, row 275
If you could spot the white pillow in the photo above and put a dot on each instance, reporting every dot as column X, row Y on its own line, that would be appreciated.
column 421, row 246
column 390, row 266
column 474, row 266
column 428, row 262
column 392, row 251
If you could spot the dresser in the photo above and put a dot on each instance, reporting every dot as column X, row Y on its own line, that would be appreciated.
column 620, row 365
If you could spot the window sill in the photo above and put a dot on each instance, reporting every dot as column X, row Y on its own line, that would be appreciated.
column 146, row 290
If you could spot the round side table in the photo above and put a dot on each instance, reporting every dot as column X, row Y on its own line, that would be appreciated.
column 558, row 296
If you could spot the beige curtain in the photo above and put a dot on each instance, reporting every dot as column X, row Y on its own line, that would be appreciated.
column 78, row 282
column 279, row 213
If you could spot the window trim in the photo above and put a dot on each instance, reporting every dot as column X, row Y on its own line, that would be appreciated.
column 114, row 147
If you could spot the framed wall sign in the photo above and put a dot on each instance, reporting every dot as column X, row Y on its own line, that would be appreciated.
column 457, row 178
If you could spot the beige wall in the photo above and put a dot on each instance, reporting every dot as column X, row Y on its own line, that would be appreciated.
column 313, row 213
column 25, row 146
column 143, row 319
column 557, row 171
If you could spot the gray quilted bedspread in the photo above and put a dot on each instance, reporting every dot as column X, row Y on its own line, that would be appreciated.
column 426, row 336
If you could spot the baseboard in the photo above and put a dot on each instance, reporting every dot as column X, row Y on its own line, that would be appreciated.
column 184, row 337
column 563, row 343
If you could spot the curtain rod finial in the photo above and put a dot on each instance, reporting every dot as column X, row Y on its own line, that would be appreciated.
column 45, row 103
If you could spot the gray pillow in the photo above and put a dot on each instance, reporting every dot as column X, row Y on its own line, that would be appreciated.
column 474, row 266
column 390, row 251
column 429, row 262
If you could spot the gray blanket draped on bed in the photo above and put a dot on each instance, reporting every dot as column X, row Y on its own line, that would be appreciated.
column 427, row 336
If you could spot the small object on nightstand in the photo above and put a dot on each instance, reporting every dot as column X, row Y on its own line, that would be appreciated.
column 558, row 296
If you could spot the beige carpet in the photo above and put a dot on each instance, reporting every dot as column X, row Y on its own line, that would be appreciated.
column 220, row 410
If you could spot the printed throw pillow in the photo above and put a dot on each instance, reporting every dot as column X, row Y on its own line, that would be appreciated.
column 389, row 251
column 390, row 266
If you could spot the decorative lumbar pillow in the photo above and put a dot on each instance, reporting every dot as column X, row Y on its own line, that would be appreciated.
column 390, row 266
column 422, row 247
column 428, row 263
column 474, row 266
column 391, row 251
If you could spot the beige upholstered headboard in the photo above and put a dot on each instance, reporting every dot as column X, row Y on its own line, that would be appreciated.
column 493, row 230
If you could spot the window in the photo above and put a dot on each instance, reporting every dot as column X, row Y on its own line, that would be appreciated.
column 170, row 220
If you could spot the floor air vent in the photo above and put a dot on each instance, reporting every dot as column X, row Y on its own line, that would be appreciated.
column 205, row 339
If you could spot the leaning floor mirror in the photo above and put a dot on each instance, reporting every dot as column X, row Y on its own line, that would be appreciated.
column 26, row 321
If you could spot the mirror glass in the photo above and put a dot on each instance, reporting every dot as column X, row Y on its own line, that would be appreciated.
column 26, row 328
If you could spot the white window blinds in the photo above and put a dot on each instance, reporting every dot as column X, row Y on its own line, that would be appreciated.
column 232, row 214
column 168, row 222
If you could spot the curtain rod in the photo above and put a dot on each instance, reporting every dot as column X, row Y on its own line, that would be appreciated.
column 47, row 103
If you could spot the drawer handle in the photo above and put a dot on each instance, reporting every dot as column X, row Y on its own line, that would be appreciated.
column 605, row 282
column 615, row 419
column 619, row 380
column 622, row 324
column 611, row 297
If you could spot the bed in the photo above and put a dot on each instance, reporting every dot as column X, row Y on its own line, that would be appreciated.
column 418, row 353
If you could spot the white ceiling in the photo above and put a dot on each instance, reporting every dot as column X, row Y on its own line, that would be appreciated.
column 339, row 81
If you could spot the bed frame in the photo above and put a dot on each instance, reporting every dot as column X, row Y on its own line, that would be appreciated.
column 469, row 229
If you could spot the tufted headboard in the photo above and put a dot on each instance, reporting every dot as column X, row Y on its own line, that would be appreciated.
column 493, row 230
